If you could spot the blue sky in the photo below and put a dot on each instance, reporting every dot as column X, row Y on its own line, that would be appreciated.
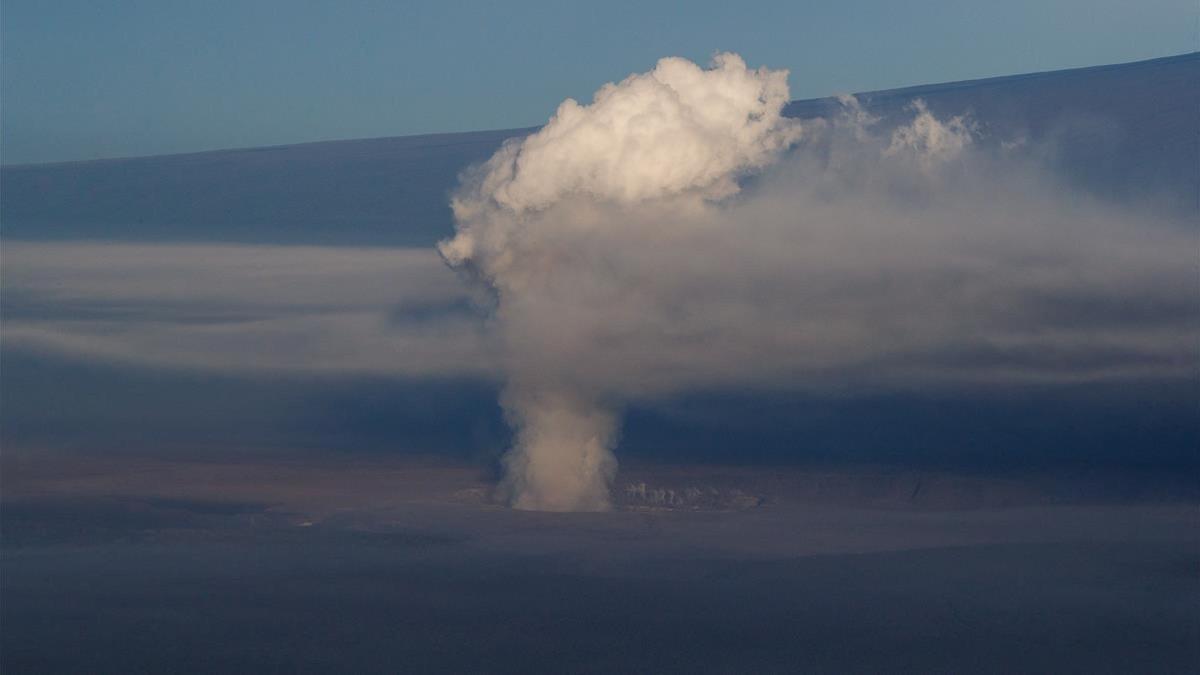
column 85, row 80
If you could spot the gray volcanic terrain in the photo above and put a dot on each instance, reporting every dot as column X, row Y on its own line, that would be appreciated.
column 384, row 566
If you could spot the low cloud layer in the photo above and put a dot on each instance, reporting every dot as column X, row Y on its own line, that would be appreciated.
column 245, row 309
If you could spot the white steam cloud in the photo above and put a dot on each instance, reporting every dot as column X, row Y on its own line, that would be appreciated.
column 668, row 140
column 679, row 233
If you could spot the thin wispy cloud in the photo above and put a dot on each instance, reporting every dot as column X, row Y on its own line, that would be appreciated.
column 245, row 308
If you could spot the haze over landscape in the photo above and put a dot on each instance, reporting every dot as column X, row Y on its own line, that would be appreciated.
column 692, row 376
column 186, row 327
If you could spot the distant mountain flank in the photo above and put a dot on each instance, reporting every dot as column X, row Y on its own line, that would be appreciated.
column 1124, row 131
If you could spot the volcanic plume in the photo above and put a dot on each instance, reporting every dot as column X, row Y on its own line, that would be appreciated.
column 679, row 233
